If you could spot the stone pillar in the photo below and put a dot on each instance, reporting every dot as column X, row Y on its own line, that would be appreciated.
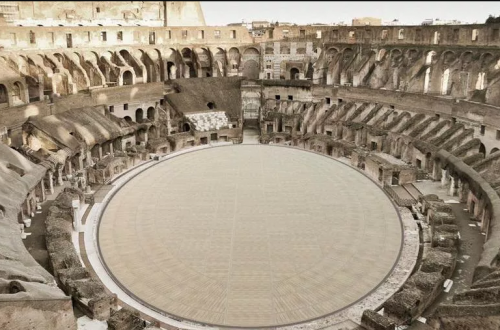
column 444, row 173
column 111, row 150
column 453, row 186
column 80, row 162
column 69, row 167
column 77, row 221
column 42, row 190
column 100, row 152
column 51, row 182
column 59, row 176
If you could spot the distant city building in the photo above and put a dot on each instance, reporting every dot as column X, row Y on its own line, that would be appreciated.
column 366, row 21
column 437, row 21
column 260, row 24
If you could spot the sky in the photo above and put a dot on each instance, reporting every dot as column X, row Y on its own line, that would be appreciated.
column 328, row 12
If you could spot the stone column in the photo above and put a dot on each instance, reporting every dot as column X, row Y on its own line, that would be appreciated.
column 111, row 150
column 77, row 222
column 51, row 182
column 59, row 176
column 42, row 191
column 453, row 186
column 444, row 173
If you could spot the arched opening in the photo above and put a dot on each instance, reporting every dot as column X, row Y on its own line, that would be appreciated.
column 429, row 57
column 444, row 82
column 171, row 70
column 128, row 119
column 427, row 80
column 211, row 105
column 294, row 74
column 94, row 152
column 141, row 135
column 139, row 115
column 16, row 92
column 186, row 127
column 494, row 150
column 251, row 69
column 151, row 113
column 152, row 132
column 33, row 89
column 482, row 149
column 127, row 78
column 4, row 98
column 106, row 148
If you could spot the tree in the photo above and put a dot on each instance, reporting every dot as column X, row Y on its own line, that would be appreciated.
column 492, row 19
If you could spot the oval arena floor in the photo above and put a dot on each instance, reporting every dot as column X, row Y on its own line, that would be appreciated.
column 250, row 236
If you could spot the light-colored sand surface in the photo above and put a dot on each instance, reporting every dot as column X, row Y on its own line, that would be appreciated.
column 250, row 236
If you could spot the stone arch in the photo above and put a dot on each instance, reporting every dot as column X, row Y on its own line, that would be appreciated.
column 251, row 69
column 152, row 68
column 482, row 149
column 33, row 89
column 448, row 57
column 128, row 119
column 380, row 55
column 348, row 53
column 160, row 64
column 186, row 127
column 151, row 113
column 494, row 150
column 486, row 60
column 130, row 61
column 220, row 62
column 396, row 52
column 330, row 53
column 139, row 115
column 204, row 60
column 429, row 57
column 152, row 132
column 171, row 59
column 141, row 135
column 94, row 151
column 17, row 92
column 187, row 57
column 251, row 51
column 4, row 97
column 294, row 74
column 128, row 78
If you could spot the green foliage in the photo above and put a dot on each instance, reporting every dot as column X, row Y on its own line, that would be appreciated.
column 492, row 19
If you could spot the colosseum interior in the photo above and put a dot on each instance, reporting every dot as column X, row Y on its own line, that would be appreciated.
column 159, row 173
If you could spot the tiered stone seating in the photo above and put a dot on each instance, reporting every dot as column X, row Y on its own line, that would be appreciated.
column 209, row 121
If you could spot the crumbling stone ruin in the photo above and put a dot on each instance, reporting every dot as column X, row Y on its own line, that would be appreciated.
column 89, row 90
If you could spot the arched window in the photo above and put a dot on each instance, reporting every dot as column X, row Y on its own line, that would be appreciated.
column 139, row 115
column 294, row 74
column 3, row 94
column 16, row 92
column 151, row 113
column 401, row 34
column 127, row 78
